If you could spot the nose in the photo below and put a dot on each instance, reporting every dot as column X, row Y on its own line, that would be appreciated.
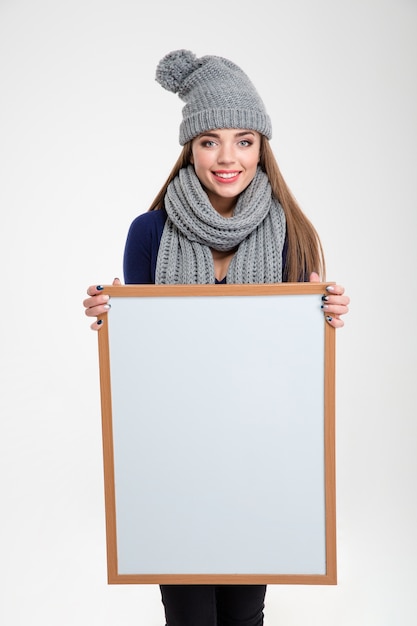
column 226, row 154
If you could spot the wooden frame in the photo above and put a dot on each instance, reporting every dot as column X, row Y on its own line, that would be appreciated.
column 161, row 450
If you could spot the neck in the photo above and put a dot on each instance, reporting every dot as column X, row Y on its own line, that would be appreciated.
column 224, row 206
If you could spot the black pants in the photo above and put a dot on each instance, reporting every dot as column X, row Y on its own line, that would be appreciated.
column 209, row 605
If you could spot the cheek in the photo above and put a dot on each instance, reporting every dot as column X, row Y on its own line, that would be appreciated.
column 201, row 163
column 251, row 164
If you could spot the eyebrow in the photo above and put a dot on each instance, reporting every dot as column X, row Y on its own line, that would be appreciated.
column 239, row 134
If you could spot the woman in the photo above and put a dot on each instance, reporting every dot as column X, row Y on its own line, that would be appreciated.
column 225, row 215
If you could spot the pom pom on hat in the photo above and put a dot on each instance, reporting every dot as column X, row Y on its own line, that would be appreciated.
column 218, row 94
column 174, row 68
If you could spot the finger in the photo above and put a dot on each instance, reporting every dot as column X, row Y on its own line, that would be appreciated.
column 93, row 301
column 95, row 311
column 97, row 325
column 334, row 321
column 337, row 290
column 314, row 278
column 335, row 309
column 93, row 290
column 345, row 300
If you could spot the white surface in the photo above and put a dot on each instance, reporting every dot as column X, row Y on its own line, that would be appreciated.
column 218, row 431
column 87, row 138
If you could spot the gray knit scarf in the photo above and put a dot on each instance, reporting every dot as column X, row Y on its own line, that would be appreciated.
column 194, row 226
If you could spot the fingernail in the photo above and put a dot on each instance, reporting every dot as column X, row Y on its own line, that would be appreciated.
column 329, row 318
column 107, row 306
column 99, row 287
column 99, row 322
column 325, row 298
column 330, row 288
column 324, row 306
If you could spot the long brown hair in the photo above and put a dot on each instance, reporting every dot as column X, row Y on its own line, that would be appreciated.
column 304, row 251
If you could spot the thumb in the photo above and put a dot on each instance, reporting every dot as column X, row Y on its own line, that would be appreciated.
column 314, row 277
column 116, row 281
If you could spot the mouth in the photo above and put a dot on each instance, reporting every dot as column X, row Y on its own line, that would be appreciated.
column 226, row 176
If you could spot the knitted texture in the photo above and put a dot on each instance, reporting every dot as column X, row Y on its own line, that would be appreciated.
column 218, row 94
column 257, row 229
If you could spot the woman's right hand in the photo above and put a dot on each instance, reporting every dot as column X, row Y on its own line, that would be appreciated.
column 97, row 303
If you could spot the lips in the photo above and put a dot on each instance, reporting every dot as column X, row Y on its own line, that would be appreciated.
column 226, row 176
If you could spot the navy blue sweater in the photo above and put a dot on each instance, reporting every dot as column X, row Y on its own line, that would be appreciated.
column 142, row 245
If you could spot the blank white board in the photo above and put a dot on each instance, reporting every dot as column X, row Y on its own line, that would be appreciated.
column 218, row 434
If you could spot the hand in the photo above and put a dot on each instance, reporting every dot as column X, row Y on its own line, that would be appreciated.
column 335, row 303
column 97, row 303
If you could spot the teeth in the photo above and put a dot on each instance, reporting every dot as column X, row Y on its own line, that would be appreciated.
column 226, row 174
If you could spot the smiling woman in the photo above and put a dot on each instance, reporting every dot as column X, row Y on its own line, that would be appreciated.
column 224, row 215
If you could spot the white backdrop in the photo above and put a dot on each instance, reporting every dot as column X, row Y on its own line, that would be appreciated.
column 87, row 137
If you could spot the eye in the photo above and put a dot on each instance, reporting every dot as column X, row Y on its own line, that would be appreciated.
column 245, row 142
column 208, row 143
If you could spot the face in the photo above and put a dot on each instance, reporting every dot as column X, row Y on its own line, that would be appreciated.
column 225, row 161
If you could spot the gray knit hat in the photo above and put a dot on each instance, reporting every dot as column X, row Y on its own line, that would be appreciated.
column 217, row 93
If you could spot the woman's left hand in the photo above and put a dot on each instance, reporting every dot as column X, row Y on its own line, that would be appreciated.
column 335, row 303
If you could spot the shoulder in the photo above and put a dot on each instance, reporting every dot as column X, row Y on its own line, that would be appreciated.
column 142, row 245
column 148, row 224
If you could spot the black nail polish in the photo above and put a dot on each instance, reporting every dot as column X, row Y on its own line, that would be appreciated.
column 99, row 287
column 99, row 322
column 325, row 298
